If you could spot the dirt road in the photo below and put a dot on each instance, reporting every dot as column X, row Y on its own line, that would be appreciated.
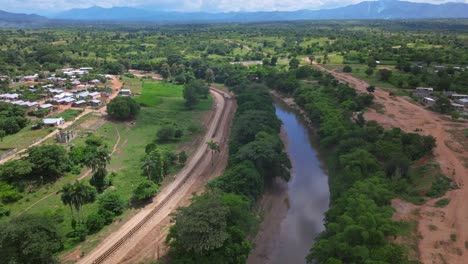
column 435, row 224
column 119, row 244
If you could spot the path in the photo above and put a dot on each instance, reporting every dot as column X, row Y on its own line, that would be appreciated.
column 121, row 242
column 435, row 246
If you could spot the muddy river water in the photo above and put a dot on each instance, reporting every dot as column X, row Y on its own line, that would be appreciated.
column 306, row 195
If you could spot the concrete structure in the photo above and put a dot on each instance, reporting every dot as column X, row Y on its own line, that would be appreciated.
column 422, row 92
column 66, row 136
column 463, row 101
column 125, row 92
column 53, row 121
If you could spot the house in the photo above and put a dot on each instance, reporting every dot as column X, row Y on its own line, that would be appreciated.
column 80, row 103
column 66, row 100
column 95, row 102
column 86, row 69
column 55, row 91
column 9, row 96
column 53, row 121
column 462, row 101
column 125, row 92
column 95, row 81
column 458, row 96
column 46, row 106
column 458, row 107
column 428, row 101
column 31, row 78
column 422, row 92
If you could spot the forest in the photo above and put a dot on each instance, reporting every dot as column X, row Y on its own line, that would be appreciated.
column 368, row 164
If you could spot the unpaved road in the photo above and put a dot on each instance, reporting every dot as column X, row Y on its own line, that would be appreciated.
column 120, row 243
column 435, row 246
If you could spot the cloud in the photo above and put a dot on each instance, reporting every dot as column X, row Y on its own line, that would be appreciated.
column 30, row 6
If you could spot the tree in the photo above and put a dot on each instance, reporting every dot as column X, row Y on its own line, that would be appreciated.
column 214, row 147
column 16, row 171
column 455, row 115
column 294, row 63
column 97, row 161
column 384, row 74
column 209, row 76
column 165, row 71
column 369, row 72
column 123, row 108
column 2, row 135
column 311, row 59
column 183, row 157
column 443, row 105
column 166, row 133
column 154, row 165
column 29, row 239
column 347, row 69
column 200, row 227
column 76, row 195
column 48, row 160
column 190, row 96
column 145, row 191
column 371, row 89
column 194, row 91
column 110, row 204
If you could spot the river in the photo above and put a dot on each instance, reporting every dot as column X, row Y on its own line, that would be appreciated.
column 306, row 199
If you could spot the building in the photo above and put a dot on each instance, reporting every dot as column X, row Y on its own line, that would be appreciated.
column 428, row 101
column 462, row 101
column 422, row 92
column 66, row 100
column 458, row 96
column 80, row 103
column 458, row 107
column 95, row 102
column 9, row 96
column 31, row 78
column 53, row 121
column 125, row 92
column 46, row 106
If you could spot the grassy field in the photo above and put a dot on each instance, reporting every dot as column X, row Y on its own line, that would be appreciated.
column 134, row 84
column 23, row 138
column 164, row 105
column 69, row 114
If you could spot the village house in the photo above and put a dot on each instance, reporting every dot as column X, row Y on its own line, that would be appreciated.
column 422, row 92
column 458, row 107
column 9, row 96
column 46, row 106
column 66, row 100
column 458, row 96
column 31, row 78
column 463, row 101
column 80, row 103
column 95, row 102
column 428, row 101
column 53, row 121
column 125, row 92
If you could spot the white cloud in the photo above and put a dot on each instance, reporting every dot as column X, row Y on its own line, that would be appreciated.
column 29, row 6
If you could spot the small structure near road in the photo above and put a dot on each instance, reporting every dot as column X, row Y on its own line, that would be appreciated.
column 125, row 92
column 428, row 101
column 53, row 121
column 66, row 136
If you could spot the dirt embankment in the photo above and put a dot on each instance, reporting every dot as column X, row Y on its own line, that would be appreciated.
column 436, row 225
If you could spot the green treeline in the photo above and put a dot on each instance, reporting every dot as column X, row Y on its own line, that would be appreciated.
column 213, row 229
column 368, row 166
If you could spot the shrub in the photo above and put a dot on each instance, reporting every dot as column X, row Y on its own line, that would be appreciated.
column 111, row 202
column 145, row 191
column 347, row 68
column 442, row 202
column 95, row 222
column 123, row 108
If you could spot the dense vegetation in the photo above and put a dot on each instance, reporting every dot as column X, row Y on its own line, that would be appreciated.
column 213, row 229
column 368, row 167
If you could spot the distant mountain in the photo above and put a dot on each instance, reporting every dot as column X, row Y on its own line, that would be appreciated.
column 8, row 19
column 382, row 9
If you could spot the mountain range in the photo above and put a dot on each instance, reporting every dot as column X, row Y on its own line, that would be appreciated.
column 382, row 9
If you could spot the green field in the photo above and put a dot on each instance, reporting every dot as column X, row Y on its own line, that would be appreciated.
column 23, row 138
column 69, row 114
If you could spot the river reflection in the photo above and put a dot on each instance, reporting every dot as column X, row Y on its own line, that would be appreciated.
column 307, row 191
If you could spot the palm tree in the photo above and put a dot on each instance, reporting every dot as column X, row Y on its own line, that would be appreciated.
column 154, row 165
column 76, row 195
column 214, row 147
column 97, row 162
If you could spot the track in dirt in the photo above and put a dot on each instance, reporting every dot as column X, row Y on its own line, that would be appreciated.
column 435, row 224
column 168, row 198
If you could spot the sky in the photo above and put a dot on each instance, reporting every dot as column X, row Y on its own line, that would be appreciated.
column 53, row 6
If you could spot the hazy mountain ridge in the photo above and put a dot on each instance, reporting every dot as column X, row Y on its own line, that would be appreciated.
column 8, row 19
column 384, row 9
